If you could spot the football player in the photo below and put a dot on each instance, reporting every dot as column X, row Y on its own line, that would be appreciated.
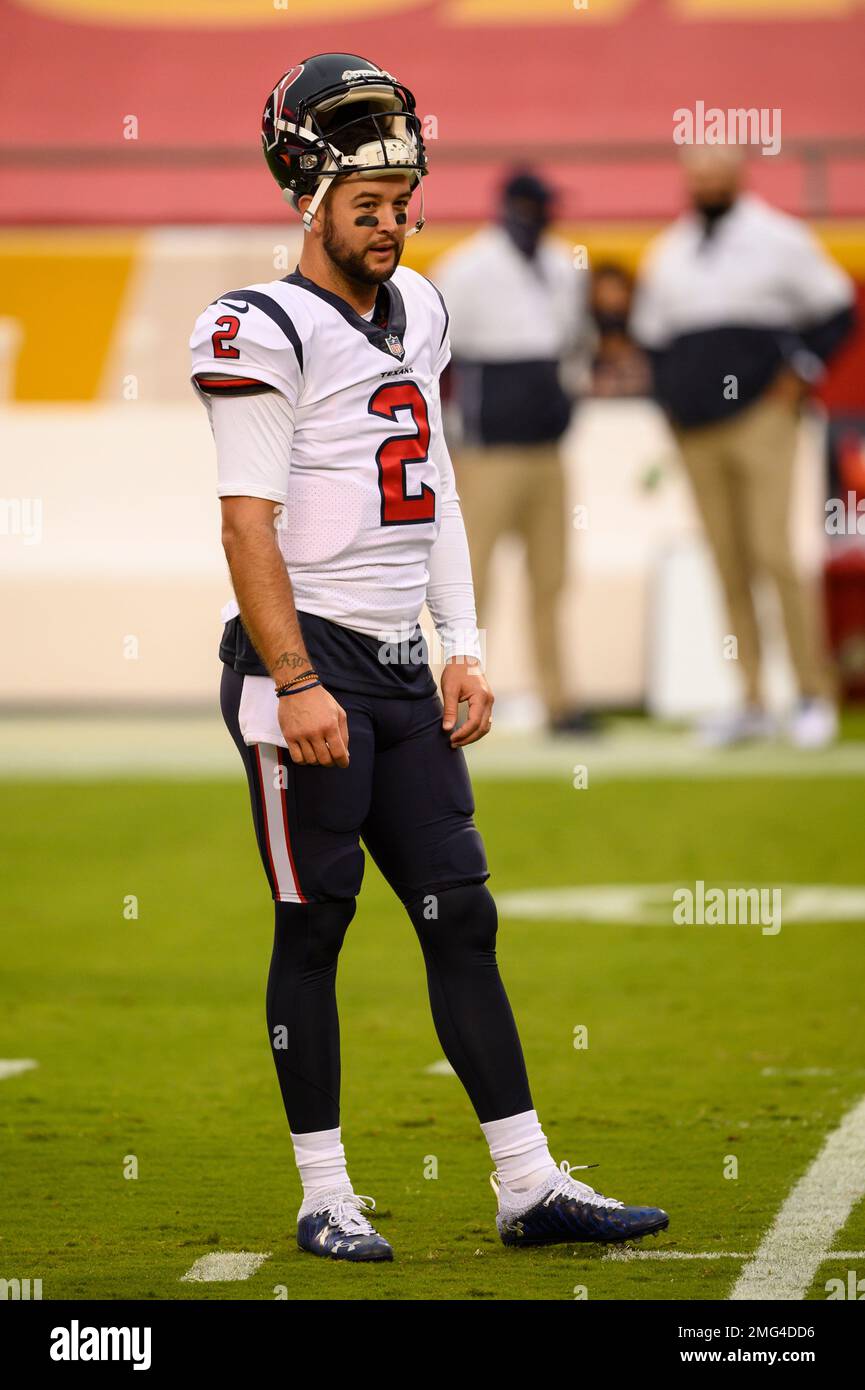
column 340, row 519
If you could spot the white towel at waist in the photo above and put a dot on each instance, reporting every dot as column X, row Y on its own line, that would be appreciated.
column 259, row 712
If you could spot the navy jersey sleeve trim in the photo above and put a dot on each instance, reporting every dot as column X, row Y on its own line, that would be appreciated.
column 273, row 310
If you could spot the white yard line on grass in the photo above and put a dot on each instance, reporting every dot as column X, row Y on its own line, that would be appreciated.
column 654, row 754
column 652, row 904
column 799, row 1240
column 13, row 1066
column 224, row 1266
column 196, row 745
column 629, row 1254
column 626, row 1253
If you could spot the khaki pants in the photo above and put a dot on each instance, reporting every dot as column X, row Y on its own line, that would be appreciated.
column 520, row 489
column 742, row 475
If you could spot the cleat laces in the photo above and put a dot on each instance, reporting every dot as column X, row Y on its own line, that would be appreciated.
column 347, row 1213
column 566, row 1186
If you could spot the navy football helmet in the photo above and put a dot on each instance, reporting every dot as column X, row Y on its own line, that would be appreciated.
column 336, row 114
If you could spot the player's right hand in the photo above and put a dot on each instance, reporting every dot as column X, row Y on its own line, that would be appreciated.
column 315, row 728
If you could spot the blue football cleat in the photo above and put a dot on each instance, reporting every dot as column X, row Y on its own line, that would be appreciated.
column 564, row 1211
column 338, row 1229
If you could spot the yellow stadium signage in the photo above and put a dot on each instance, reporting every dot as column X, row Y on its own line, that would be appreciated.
column 240, row 14
column 253, row 14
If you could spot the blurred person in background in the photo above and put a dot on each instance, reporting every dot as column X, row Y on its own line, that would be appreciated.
column 619, row 365
column 517, row 310
column 740, row 308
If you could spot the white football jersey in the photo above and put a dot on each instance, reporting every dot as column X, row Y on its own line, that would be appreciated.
column 366, row 473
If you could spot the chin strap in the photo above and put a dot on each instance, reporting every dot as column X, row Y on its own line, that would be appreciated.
column 308, row 217
column 421, row 221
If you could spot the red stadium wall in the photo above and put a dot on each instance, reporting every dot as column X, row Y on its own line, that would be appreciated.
column 589, row 93
column 586, row 94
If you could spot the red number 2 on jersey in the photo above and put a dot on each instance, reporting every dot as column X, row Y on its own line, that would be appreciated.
column 227, row 327
column 398, row 508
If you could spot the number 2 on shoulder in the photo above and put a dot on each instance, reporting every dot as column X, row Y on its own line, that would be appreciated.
column 226, row 328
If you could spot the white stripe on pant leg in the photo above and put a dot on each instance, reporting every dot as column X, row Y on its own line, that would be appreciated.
column 275, row 827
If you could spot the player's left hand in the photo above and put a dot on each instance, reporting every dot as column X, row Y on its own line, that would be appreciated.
column 463, row 679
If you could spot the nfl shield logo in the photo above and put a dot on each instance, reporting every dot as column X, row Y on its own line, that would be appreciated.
column 394, row 344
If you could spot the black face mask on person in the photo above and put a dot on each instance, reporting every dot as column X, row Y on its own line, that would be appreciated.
column 607, row 323
column 712, row 209
column 525, row 226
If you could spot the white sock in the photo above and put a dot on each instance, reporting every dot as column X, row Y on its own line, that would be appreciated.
column 320, row 1159
column 518, row 1147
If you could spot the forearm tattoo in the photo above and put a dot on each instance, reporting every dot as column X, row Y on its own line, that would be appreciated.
column 289, row 661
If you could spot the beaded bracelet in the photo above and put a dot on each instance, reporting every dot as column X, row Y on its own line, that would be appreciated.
column 295, row 680
column 298, row 689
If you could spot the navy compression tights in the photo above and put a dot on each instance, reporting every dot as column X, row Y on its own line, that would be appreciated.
column 470, row 1009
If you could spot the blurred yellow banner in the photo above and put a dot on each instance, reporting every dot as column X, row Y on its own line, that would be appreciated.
column 242, row 14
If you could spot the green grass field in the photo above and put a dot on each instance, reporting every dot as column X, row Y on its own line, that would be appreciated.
column 150, row 1041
